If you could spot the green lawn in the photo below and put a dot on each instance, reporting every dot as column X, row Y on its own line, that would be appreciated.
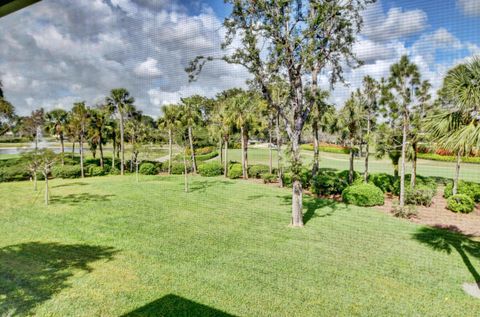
column 110, row 247
column 468, row 172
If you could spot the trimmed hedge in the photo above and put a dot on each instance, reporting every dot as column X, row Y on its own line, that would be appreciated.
column 365, row 195
column 328, row 148
column 460, row 203
column 328, row 183
column 67, row 171
column 383, row 181
column 96, row 171
column 14, row 173
column 235, row 171
column 256, row 171
column 467, row 188
column 178, row 168
column 210, row 169
column 443, row 158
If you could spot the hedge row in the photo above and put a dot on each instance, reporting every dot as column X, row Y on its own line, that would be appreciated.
column 329, row 148
column 443, row 158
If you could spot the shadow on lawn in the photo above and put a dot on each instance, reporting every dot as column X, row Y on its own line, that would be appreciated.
column 449, row 238
column 75, row 199
column 70, row 184
column 312, row 207
column 202, row 186
column 31, row 273
column 175, row 306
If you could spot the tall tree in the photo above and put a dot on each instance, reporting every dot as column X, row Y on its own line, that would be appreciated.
column 403, row 82
column 7, row 113
column 120, row 100
column 169, row 121
column 57, row 120
column 33, row 125
column 78, row 121
column 191, row 115
column 296, row 40
column 371, row 92
column 99, row 118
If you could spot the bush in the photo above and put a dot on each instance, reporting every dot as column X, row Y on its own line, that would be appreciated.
column 437, row 157
column 269, row 178
column 235, row 171
column 66, row 171
column 14, row 173
column 287, row 179
column 325, row 147
column 210, row 169
column 178, row 168
column 114, row 171
column 96, row 171
column 256, row 171
column 420, row 181
column 421, row 195
column 357, row 177
column 328, row 183
column 466, row 188
column 148, row 169
column 383, row 181
column 408, row 211
column 460, row 203
column 206, row 157
column 364, row 195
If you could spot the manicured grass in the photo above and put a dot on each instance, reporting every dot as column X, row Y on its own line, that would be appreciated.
column 468, row 172
column 108, row 246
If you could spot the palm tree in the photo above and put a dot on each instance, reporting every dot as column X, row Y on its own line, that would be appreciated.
column 79, row 124
column 371, row 91
column 96, row 129
column 191, row 116
column 169, row 121
column 352, row 117
column 120, row 100
column 403, row 80
column 57, row 120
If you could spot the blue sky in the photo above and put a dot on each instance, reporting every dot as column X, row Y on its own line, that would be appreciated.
column 57, row 52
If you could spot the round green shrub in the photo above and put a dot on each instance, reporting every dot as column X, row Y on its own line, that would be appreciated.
column 467, row 188
column 364, row 195
column 269, row 178
column 383, row 181
column 328, row 183
column 66, row 171
column 179, row 169
column 148, row 169
column 460, row 203
column 114, row 171
column 210, row 169
column 235, row 171
column 256, row 171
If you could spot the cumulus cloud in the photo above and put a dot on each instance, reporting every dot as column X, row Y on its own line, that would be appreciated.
column 149, row 68
column 470, row 7
column 394, row 24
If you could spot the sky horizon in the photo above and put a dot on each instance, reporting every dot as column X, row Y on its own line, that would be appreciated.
column 58, row 52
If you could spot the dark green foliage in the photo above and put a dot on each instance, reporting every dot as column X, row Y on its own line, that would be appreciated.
column 235, row 171
column 421, row 195
column 96, row 171
column 467, row 188
column 383, row 181
column 13, row 173
column 287, row 179
column 328, row 183
column 67, row 171
column 206, row 157
column 344, row 175
column 364, row 195
column 421, row 181
column 210, row 169
column 114, row 171
column 179, row 169
column 148, row 168
column 256, row 171
column 460, row 203
column 269, row 178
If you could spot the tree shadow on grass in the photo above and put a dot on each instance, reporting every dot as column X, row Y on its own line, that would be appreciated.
column 203, row 185
column 70, row 184
column 32, row 273
column 449, row 238
column 175, row 306
column 315, row 207
column 75, row 199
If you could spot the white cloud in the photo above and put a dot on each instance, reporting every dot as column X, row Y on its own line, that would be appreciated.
column 440, row 40
column 470, row 7
column 395, row 24
column 149, row 68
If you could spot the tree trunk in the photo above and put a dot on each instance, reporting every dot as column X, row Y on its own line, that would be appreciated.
column 113, row 153
column 225, row 166
column 279, row 151
column 62, row 143
column 221, row 150
column 136, row 170
column 297, row 192
column 35, row 180
column 402, row 163
column 244, row 137
column 185, row 173
column 457, row 173
column 170, row 152
column 81, row 156
column 351, row 168
column 46, row 188
column 413, row 178
column 367, row 151
column 270, row 162
column 190, row 139
column 73, row 149
column 101, row 151
column 122, row 146
column 316, row 151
